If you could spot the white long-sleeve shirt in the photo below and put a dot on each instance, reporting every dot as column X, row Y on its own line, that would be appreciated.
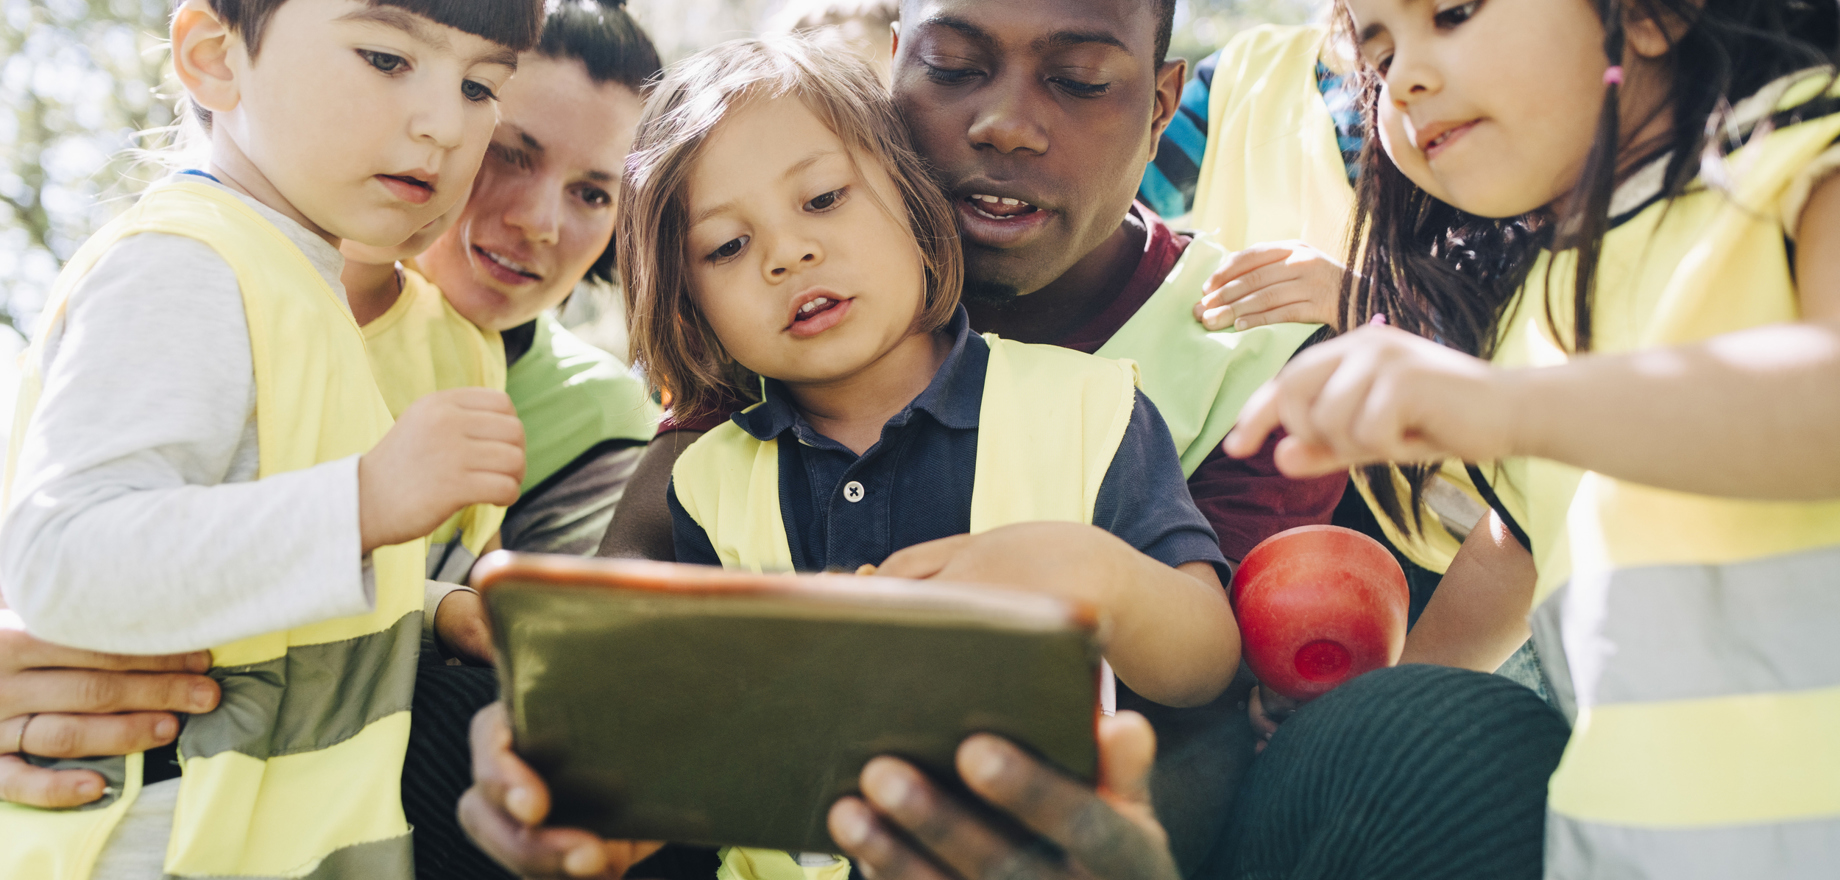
column 137, row 524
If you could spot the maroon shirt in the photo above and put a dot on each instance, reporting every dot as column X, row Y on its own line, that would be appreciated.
column 1246, row 501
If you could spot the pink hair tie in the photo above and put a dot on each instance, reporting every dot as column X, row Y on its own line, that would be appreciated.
column 1613, row 75
column 1379, row 318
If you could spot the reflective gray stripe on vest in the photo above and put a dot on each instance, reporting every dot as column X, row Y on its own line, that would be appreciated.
column 1687, row 632
column 1549, row 642
column 1577, row 850
column 391, row 859
column 314, row 697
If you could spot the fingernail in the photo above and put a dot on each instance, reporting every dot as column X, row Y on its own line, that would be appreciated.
column 888, row 787
column 584, row 861
column 89, row 788
column 1241, row 324
column 984, row 762
column 204, row 696
column 850, row 823
column 199, row 662
column 522, row 802
column 165, row 729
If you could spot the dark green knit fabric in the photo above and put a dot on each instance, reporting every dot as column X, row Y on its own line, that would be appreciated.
column 439, row 767
column 1419, row 772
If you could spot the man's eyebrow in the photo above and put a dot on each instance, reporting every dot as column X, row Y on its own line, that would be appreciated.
column 964, row 28
column 1069, row 39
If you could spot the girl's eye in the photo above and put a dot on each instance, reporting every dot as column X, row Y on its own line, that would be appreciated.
column 948, row 76
column 826, row 201
column 728, row 250
column 596, row 197
column 384, row 61
column 1456, row 15
column 1081, row 89
column 477, row 92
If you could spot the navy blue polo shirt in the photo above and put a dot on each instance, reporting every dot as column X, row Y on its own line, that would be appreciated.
column 842, row 510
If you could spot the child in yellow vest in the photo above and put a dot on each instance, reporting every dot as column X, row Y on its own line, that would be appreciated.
column 775, row 227
column 418, row 345
column 1642, row 241
column 202, row 458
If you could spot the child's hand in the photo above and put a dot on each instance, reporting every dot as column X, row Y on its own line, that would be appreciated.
column 1267, row 712
column 1059, row 558
column 1276, row 283
column 1380, row 394
column 1173, row 639
column 450, row 449
column 460, row 624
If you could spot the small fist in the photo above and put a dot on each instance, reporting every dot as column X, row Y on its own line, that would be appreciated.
column 448, row 450
column 1268, row 709
column 1276, row 283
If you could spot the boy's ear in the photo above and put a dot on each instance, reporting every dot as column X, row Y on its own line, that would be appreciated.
column 201, row 49
column 1169, row 81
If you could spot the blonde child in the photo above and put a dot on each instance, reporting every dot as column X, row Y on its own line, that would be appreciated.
column 204, row 459
column 775, row 227
column 1620, row 220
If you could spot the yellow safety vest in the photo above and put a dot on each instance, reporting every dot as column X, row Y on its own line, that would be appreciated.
column 1274, row 172
column 298, row 771
column 422, row 345
column 1698, row 632
column 1199, row 380
column 1049, row 425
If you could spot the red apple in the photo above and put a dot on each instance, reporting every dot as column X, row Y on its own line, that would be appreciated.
column 1318, row 605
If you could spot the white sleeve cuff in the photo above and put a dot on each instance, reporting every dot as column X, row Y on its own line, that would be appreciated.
column 432, row 594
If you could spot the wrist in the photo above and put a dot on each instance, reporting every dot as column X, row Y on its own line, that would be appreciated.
column 1522, row 394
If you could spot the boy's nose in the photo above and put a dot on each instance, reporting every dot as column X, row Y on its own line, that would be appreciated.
column 441, row 123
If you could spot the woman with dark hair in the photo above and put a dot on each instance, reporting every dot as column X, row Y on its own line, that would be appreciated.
column 540, row 220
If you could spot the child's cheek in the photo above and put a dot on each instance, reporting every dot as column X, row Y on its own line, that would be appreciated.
column 1398, row 147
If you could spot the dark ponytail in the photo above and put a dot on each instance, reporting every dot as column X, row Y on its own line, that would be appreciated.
column 1451, row 276
column 603, row 36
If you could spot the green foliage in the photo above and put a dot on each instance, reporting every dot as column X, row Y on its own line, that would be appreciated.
column 77, row 83
column 1203, row 26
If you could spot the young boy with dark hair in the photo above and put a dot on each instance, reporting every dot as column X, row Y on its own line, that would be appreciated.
column 202, row 458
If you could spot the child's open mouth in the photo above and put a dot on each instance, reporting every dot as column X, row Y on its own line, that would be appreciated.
column 999, row 207
column 413, row 190
column 816, row 314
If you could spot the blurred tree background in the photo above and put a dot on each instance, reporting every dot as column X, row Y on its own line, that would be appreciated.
column 82, row 77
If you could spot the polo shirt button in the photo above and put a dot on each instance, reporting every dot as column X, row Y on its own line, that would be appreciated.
column 852, row 491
